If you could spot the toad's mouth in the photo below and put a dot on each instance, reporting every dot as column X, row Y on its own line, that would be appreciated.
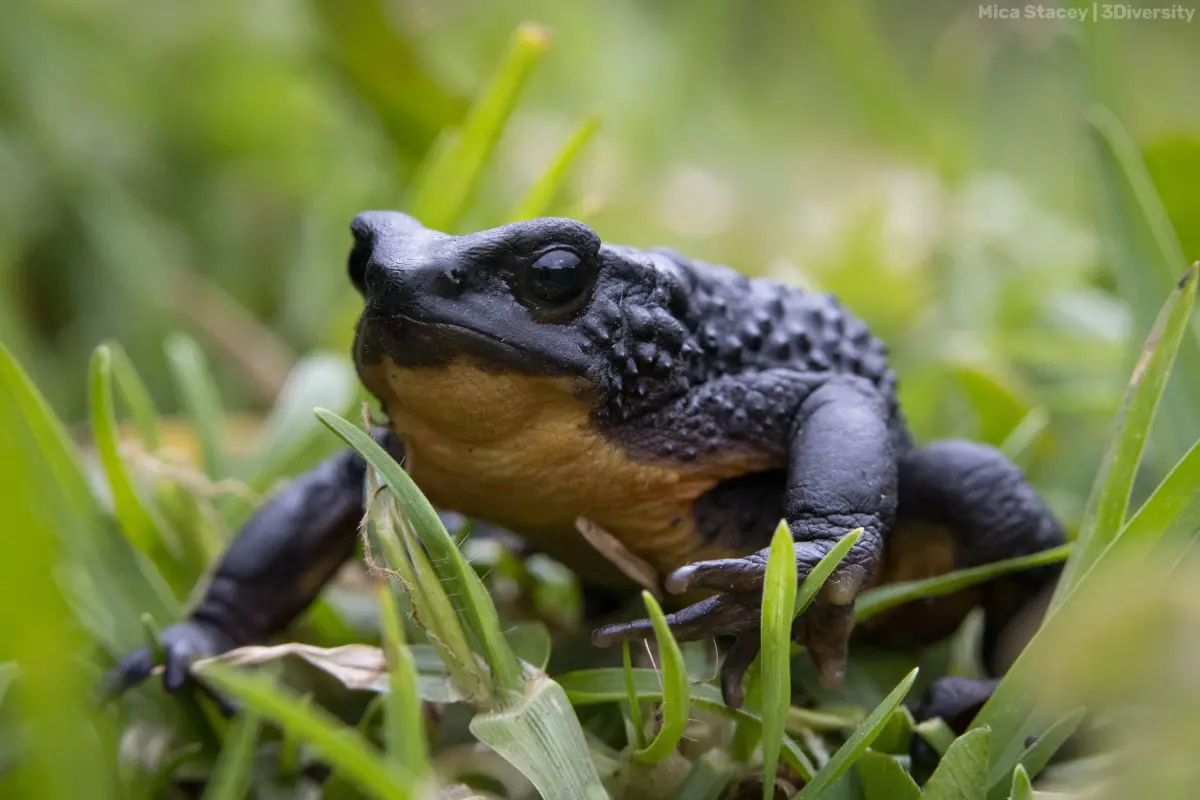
column 429, row 342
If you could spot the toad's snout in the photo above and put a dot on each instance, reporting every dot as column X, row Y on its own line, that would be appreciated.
column 396, row 261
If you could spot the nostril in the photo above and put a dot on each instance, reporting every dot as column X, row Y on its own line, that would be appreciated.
column 452, row 282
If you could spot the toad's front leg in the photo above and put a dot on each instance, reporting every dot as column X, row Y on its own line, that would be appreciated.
column 842, row 475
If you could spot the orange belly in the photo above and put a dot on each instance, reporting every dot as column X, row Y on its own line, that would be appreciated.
column 522, row 452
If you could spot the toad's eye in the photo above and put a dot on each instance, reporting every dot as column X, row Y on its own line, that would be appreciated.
column 556, row 278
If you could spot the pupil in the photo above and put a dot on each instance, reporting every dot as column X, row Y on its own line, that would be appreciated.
column 557, row 276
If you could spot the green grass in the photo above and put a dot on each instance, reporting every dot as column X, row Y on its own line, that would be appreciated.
column 104, row 545
column 529, row 718
column 676, row 701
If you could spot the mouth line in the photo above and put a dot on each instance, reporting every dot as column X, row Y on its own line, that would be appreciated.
column 454, row 327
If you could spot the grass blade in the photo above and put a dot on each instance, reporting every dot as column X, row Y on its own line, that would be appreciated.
column 136, row 396
column 607, row 685
column 452, row 569
column 142, row 530
column 873, row 75
column 858, row 742
column 1007, row 711
column 882, row 778
column 676, row 701
column 998, row 406
column 1104, row 517
column 541, row 736
column 290, row 433
column 51, row 706
column 407, row 747
column 875, row 601
column 1140, row 204
column 748, row 735
column 538, row 199
column 337, row 743
column 709, row 776
column 1146, row 257
column 1175, row 501
column 445, row 185
column 189, row 545
column 896, row 736
column 635, row 705
column 199, row 394
column 821, row 572
column 779, row 600
column 430, row 604
column 26, row 408
column 936, row 733
column 821, row 721
column 382, row 62
column 1036, row 756
column 1022, row 787
column 530, row 641
column 119, row 580
column 437, row 610
column 962, row 773
column 1020, row 441
column 232, row 775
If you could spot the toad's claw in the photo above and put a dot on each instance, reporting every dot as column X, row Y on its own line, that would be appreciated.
column 739, row 658
column 722, row 614
column 747, row 574
column 183, row 644
column 824, row 628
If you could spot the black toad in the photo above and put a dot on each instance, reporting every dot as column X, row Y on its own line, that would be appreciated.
column 533, row 375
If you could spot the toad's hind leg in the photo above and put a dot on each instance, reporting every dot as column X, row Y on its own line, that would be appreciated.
column 962, row 505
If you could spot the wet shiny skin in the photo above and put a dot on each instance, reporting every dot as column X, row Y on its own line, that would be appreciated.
column 534, row 374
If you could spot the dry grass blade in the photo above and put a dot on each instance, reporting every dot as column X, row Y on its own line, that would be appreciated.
column 616, row 553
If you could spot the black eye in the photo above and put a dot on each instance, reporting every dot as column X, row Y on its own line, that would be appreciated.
column 557, row 277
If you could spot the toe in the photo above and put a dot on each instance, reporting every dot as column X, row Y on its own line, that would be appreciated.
column 713, row 616
column 956, row 700
column 733, row 669
column 178, row 667
column 132, row 670
column 844, row 585
column 827, row 637
column 722, row 575
column 609, row 635
column 689, row 623
column 722, row 614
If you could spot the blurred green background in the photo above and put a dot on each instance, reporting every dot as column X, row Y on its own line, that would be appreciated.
column 194, row 166
column 1007, row 202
